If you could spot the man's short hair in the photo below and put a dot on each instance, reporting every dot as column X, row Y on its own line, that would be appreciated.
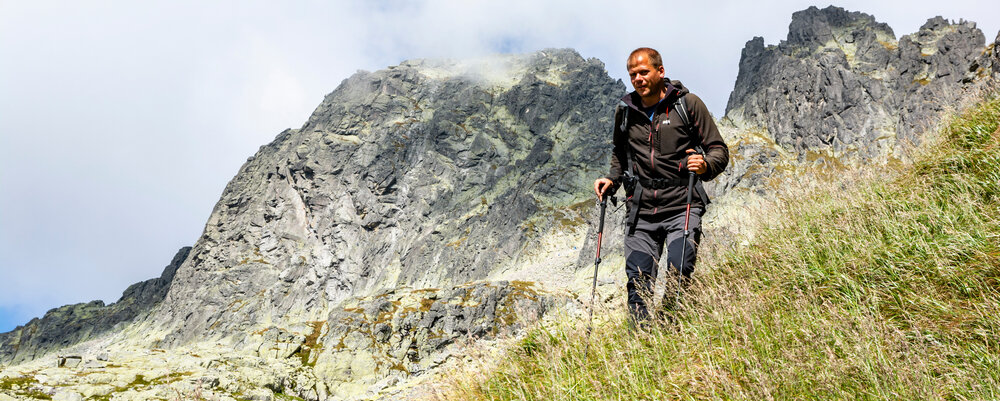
column 652, row 54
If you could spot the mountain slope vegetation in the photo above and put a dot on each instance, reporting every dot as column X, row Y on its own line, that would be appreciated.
column 881, row 287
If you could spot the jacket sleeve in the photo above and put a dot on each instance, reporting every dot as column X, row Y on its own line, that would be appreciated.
column 716, row 151
column 619, row 153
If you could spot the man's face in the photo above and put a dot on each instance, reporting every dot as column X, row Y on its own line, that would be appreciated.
column 646, row 79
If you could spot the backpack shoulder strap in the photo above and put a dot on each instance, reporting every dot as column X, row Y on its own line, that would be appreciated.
column 681, row 106
column 621, row 121
column 633, row 188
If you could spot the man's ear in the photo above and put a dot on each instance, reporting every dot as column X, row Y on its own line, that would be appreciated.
column 663, row 73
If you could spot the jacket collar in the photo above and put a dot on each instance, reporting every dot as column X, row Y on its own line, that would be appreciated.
column 633, row 100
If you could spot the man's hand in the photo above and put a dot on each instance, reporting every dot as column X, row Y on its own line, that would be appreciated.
column 601, row 185
column 696, row 162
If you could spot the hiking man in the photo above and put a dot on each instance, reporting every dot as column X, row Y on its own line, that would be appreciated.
column 655, row 148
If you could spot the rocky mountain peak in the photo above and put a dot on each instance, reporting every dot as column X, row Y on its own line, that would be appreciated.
column 843, row 88
column 815, row 27
column 415, row 204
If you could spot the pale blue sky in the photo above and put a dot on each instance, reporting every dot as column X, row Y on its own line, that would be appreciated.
column 122, row 121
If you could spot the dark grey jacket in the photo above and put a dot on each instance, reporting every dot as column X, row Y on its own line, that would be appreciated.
column 658, row 147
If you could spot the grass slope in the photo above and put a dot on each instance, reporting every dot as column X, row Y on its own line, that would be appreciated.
column 886, row 290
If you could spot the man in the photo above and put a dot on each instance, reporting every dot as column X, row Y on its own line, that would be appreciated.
column 654, row 151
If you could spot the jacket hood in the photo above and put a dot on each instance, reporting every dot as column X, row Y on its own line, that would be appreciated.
column 674, row 89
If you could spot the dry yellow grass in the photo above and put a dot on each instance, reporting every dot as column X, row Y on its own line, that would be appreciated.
column 871, row 290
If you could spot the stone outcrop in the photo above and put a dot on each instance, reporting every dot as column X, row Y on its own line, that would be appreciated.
column 840, row 90
column 842, row 87
column 70, row 324
column 382, row 340
column 986, row 65
column 369, row 348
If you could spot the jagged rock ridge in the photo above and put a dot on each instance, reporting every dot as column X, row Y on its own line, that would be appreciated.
column 843, row 86
column 70, row 324
column 838, row 91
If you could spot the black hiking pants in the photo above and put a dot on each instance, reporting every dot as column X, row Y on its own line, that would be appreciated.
column 643, row 248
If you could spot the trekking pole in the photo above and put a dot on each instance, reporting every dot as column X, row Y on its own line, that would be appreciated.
column 687, row 232
column 597, row 262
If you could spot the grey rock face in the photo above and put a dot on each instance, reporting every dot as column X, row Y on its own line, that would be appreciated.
column 842, row 85
column 812, row 28
column 70, row 324
column 841, row 90
column 377, row 341
column 427, row 174
column 987, row 65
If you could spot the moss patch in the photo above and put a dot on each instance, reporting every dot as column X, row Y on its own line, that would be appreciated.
column 23, row 386
column 311, row 344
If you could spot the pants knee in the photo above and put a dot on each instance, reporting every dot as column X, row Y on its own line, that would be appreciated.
column 687, row 260
column 639, row 264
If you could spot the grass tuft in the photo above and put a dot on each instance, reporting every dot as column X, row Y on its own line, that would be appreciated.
column 886, row 288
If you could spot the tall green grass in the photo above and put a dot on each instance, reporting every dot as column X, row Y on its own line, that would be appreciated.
column 888, row 288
